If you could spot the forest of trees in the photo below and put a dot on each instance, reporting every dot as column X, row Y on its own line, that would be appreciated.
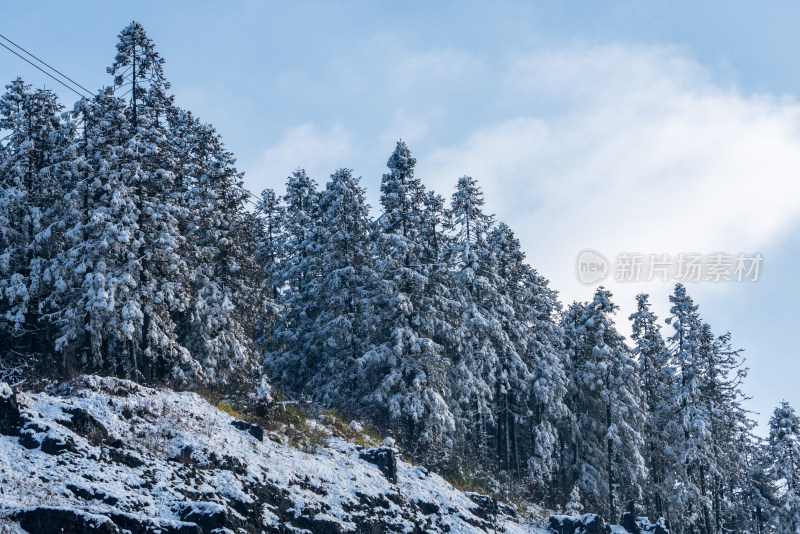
column 130, row 247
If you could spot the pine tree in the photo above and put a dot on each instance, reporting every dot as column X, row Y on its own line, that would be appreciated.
column 688, row 433
column 226, row 296
column 756, row 491
column 475, row 370
column 30, row 211
column 341, row 291
column 405, row 374
column 784, row 448
column 269, row 252
column 287, row 360
column 531, row 382
column 657, row 380
column 128, row 300
column 574, row 507
column 606, row 405
column 730, row 427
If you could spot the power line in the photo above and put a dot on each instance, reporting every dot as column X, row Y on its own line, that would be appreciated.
column 44, row 71
column 88, row 101
column 45, row 64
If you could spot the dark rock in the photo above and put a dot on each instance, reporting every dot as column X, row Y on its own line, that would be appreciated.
column 207, row 516
column 125, row 459
column 629, row 523
column 487, row 506
column 28, row 441
column 90, row 495
column 83, row 493
column 585, row 524
column 56, row 446
column 44, row 520
column 384, row 458
column 325, row 526
column 659, row 527
column 506, row 509
column 142, row 525
column 10, row 419
column 84, row 424
column 254, row 430
column 427, row 508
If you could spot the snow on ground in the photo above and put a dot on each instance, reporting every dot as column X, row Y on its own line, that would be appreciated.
column 171, row 458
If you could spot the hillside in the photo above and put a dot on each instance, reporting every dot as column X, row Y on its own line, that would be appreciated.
column 106, row 454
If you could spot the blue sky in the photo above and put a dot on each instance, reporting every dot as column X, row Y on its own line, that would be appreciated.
column 657, row 127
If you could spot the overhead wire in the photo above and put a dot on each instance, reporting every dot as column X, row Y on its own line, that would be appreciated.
column 89, row 95
column 45, row 64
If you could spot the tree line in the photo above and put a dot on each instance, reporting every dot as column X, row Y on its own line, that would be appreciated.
column 127, row 248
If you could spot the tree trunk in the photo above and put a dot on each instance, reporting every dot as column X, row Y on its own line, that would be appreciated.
column 609, row 448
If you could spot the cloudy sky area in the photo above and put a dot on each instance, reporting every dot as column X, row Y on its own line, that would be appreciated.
column 658, row 127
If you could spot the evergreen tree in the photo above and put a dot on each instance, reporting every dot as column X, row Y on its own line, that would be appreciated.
column 226, row 297
column 531, row 383
column 296, row 272
column 155, row 280
column 269, row 252
column 404, row 375
column 730, row 427
column 475, row 370
column 784, row 448
column 574, row 507
column 341, row 291
column 657, row 381
column 688, row 433
column 30, row 213
column 606, row 405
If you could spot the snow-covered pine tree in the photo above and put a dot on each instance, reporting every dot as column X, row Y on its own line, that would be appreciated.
column 268, row 250
column 30, row 213
column 100, row 312
column 341, row 292
column 730, row 428
column 754, row 490
column 125, row 279
column 475, row 286
column 297, row 269
column 226, row 299
column 442, row 306
column 657, row 381
column 301, row 212
column 510, row 340
column 539, row 308
column 607, row 408
column 574, row 507
column 161, row 273
column 531, row 381
column 784, row 449
column 404, row 375
column 688, row 434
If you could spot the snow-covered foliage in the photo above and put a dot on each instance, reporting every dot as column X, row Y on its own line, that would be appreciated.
column 127, row 249
column 126, row 244
column 605, row 403
column 784, row 448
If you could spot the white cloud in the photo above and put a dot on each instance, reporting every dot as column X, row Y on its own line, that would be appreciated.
column 318, row 150
column 645, row 153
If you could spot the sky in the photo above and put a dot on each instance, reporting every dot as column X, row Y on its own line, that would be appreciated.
column 622, row 127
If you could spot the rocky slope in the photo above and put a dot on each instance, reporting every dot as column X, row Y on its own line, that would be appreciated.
column 108, row 455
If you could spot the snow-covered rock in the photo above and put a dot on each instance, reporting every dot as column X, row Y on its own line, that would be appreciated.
column 103, row 454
